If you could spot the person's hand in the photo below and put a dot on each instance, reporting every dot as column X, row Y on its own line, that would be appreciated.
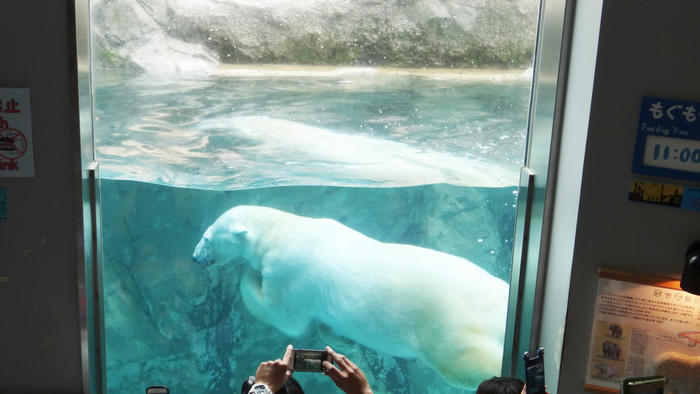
column 349, row 377
column 273, row 374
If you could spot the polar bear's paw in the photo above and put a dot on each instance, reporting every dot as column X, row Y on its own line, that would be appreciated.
column 467, row 365
column 330, row 337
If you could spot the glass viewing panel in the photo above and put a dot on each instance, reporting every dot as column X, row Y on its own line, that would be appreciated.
column 398, row 126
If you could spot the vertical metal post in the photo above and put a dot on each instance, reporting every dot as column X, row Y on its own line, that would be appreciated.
column 517, row 299
column 87, row 192
column 534, row 217
column 97, row 364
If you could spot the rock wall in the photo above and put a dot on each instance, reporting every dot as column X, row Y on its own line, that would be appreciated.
column 187, row 35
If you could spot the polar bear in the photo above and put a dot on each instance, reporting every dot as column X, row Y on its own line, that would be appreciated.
column 401, row 300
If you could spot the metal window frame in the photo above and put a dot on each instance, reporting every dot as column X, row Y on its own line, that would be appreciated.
column 532, row 219
column 537, row 184
column 89, row 241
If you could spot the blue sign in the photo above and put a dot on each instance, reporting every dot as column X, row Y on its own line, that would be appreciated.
column 691, row 198
column 668, row 139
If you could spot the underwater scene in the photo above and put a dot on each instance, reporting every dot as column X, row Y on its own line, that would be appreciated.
column 375, row 215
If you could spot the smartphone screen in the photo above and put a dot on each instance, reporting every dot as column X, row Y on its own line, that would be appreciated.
column 308, row 360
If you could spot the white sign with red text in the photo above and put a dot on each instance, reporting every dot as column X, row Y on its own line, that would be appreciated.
column 16, row 150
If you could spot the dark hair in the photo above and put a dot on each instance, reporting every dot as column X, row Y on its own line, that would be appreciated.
column 501, row 385
column 291, row 386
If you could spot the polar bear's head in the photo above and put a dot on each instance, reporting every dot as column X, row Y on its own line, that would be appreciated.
column 223, row 241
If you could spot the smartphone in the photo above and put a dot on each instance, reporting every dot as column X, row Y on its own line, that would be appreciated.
column 534, row 372
column 304, row 360
column 157, row 390
column 645, row 385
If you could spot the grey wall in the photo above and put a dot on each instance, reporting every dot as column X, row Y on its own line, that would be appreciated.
column 39, row 324
column 645, row 48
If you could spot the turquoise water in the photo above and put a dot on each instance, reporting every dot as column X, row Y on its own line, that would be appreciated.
column 238, row 133
column 388, row 156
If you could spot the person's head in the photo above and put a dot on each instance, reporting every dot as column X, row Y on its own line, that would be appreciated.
column 501, row 385
column 292, row 387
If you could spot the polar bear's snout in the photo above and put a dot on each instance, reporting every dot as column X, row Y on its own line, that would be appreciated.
column 202, row 252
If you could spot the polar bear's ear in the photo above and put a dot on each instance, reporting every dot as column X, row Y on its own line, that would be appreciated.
column 238, row 231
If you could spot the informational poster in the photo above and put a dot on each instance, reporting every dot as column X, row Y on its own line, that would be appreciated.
column 16, row 151
column 644, row 327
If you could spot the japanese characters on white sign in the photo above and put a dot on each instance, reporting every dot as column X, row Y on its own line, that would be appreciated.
column 643, row 330
column 16, row 150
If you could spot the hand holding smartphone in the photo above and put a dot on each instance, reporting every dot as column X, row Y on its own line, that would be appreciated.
column 645, row 385
column 534, row 372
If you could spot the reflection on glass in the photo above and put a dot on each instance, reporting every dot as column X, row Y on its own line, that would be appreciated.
column 377, row 168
